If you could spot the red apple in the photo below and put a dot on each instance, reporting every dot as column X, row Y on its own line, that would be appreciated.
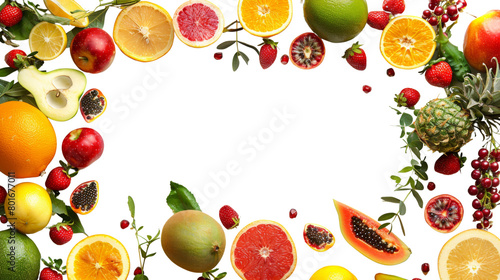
column 482, row 41
column 82, row 146
column 92, row 50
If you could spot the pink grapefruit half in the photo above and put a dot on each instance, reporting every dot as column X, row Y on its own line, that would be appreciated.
column 198, row 23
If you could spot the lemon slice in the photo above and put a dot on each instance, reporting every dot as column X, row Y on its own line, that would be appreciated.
column 48, row 39
column 64, row 8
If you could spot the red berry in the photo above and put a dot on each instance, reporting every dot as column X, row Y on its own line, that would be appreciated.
column 439, row 74
column 426, row 14
column 454, row 18
column 390, row 72
column 451, row 10
column 58, row 179
column 10, row 56
column 495, row 198
column 431, row 186
column 480, row 195
column 3, row 219
column 473, row 190
column 475, row 164
column 293, row 213
column 425, row 268
column 494, row 166
column 439, row 11
column 487, row 213
column 284, row 59
column 447, row 164
column 378, row 19
column 367, row 89
column 50, row 274
column 476, row 174
column 461, row 5
column 433, row 21
column 137, row 271
column 479, row 226
column 484, row 165
column 495, row 182
column 476, row 204
column 483, row 153
column 486, row 223
column 445, row 18
column 478, row 215
column 218, row 56
column 10, row 15
column 486, row 183
column 3, row 195
column 432, row 6
column 124, row 224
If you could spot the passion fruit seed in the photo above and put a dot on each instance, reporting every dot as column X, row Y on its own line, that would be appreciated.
column 444, row 216
column 318, row 238
column 370, row 236
column 92, row 104
column 86, row 197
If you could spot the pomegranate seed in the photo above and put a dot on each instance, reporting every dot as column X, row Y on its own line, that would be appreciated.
column 284, row 59
column 431, row 186
column 367, row 89
column 293, row 213
column 483, row 153
column 425, row 268
column 495, row 198
column 390, row 72
column 473, row 190
column 476, row 204
column 3, row 219
column 478, row 215
column 124, row 224
column 137, row 271
column 218, row 56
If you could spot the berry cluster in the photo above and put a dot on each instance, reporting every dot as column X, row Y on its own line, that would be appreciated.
column 486, row 173
column 443, row 11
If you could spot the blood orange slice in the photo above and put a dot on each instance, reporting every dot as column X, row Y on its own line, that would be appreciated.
column 263, row 250
column 198, row 23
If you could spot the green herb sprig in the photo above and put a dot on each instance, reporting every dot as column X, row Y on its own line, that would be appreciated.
column 238, row 54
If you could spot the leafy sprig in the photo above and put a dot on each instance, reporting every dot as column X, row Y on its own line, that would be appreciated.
column 210, row 274
column 56, row 265
column 238, row 53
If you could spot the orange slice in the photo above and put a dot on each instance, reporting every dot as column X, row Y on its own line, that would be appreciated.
column 263, row 250
column 407, row 42
column 470, row 255
column 144, row 31
column 264, row 18
column 98, row 257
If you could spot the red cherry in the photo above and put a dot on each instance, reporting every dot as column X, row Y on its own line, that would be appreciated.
column 367, row 89
column 439, row 11
column 124, row 224
column 432, row 6
column 426, row 14
column 495, row 182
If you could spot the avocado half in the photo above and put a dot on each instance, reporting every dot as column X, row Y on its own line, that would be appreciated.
column 57, row 93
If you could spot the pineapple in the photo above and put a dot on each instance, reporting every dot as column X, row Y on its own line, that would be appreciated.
column 446, row 124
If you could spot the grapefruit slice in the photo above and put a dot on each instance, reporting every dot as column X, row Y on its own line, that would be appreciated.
column 263, row 250
column 198, row 23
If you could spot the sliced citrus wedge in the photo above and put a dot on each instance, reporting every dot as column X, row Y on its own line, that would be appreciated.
column 264, row 18
column 144, row 31
column 69, row 9
column 472, row 254
column 407, row 42
column 48, row 39
column 98, row 257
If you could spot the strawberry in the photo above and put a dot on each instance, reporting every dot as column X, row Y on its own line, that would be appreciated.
column 394, row 6
column 449, row 163
column 408, row 97
column 268, row 53
column 53, row 270
column 10, row 15
column 229, row 217
column 439, row 74
column 11, row 57
column 3, row 195
column 356, row 56
column 61, row 233
column 59, row 178
column 378, row 19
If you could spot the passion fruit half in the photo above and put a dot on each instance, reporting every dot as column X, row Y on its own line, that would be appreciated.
column 444, row 213
column 307, row 51
column 318, row 237
column 84, row 198
column 92, row 104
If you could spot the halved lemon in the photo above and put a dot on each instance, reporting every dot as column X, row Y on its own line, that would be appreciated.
column 470, row 255
column 264, row 18
column 67, row 9
column 48, row 39
column 144, row 31
column 407, row 42
column 98, row 257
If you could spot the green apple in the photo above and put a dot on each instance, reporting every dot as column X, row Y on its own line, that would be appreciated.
column 57, row 93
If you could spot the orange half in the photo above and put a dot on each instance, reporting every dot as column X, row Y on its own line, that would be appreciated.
column 263, row 250
column 407, row 42
column 98, row 257
column 144, row 31
column 264, row 18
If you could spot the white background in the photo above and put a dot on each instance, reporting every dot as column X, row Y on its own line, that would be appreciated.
column 186, row 116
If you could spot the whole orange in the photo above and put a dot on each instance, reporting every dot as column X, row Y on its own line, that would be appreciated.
column 482, row 41
column 27, row 140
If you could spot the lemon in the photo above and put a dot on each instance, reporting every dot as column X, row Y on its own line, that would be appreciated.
column 336, row 20
column 333, row 272
column 64, row 8
column 28, row 207
column 48, row 39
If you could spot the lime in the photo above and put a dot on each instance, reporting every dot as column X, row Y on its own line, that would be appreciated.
column 19, row 256
column 336, row 20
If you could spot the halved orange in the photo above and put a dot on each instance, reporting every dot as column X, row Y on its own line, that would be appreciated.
column 144, row 31
column 264, row 18
column 470, row 255
column 98, row 257
column 263, row 250
column 407, row 42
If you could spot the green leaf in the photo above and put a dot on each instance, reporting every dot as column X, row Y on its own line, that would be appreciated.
column 143, row 253
column 402, row 208
column 21, row 31
column 54, row 19
column 245, row 57
column 141, row 277
column 411, row 182
column 2, row 210
column 29, row 99
column 390, row 199
column 401, row 223
column 5, row 98
column 131, row 206
column 418, row 198
column 150, row 255
column 225, row 45
column 419, row 186
column 386, row 216
column 415, row 151
column 384, row 225
column 236, row 61
column 17, row 90
column 6, row 71
column 396, row 179
column 73, row 217
column 96, row 19
column 406, row 169
column 406, row 119
column 221, row 275
column 58, row 206
column 250, row 46
column 180, row 198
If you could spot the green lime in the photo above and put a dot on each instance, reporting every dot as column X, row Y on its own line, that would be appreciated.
column 19, row 256
column 336, row 20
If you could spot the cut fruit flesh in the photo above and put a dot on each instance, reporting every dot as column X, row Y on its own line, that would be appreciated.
column 307, row 51
column 92, row 105
column 198, row 23
column 57, row 92
column 444, row 213
column 64, row 8
column 48, row 39
column 470, row 255
column 318, row 237
column 264, row 18
column 84, row 198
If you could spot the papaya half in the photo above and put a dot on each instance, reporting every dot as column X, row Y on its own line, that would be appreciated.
column 362, row 233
